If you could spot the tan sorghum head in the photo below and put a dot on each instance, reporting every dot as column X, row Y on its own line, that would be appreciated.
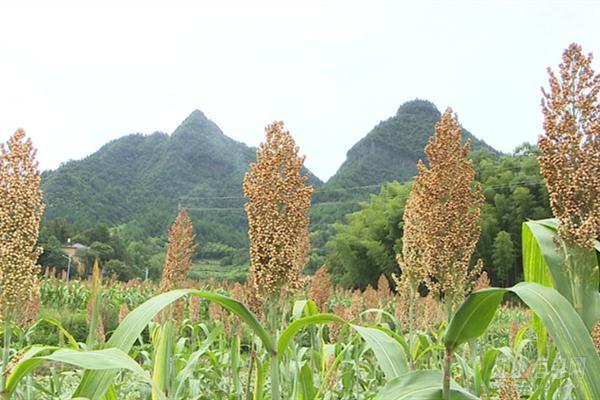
column 180, row 250
column 321, row 288
column 482, row 282
column 123, row 311
column 371, row 297
column 383, row 290
column 356, row 305
column 21, row 210
column 237, row 292
column 178, row 260
column 194, row 308
column 596, row 336
column 508, row 389
column 335, row 328
column 441, row 219
column 570, row 160
column 277, row 209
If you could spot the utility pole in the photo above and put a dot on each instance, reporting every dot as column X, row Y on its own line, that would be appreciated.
column 68, row 266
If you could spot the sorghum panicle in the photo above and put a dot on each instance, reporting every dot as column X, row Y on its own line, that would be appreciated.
column 181, row 248
column 321, row 289
column 442, row 215
column 570, row 160
column 21, row 210
column 277, row 209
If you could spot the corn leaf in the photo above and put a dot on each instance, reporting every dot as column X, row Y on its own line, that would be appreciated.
column 558, row 315
column 544, row 263
column 421, row 385
column 288, row 334
column 388, row 351
column 95, row 383
column 162, row 355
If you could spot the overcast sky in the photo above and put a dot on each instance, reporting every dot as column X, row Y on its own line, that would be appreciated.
column 75, row 75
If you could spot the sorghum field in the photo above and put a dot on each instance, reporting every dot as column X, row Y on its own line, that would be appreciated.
column 434, row 329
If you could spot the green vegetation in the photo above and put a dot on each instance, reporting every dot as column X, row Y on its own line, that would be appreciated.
column 208, row 181
column 391, row 150
column 366, row 245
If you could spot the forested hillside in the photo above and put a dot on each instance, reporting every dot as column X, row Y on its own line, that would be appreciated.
column 121, row 200
column 141, row 180
column 390, row 151
column 366, row 246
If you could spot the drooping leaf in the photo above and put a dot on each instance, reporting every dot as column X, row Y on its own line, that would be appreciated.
column 388, row 351
column 95, row 383
column 564, row 325
column 421, row 385
column 547, row 258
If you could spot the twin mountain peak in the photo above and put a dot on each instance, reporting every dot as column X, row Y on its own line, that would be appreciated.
column 137, row 173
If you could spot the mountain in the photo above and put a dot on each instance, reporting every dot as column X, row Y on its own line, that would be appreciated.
column 390, row 151
column 142, row 179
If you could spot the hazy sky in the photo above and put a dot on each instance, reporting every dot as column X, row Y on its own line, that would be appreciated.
column 78, row 74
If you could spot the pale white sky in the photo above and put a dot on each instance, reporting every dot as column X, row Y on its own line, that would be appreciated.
column 77, row 74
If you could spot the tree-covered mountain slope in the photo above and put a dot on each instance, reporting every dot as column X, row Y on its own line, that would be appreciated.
column 144, row 178
column 390, row 151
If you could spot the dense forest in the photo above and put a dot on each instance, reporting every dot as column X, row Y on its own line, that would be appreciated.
column 120, row 201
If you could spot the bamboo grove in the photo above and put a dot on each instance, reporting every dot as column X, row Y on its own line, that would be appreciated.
column 437, row 330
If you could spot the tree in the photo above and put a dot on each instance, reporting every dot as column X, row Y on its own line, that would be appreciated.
column 53, row 256
column 278, row 202
column 123, row 271
column 503, row 258
column 365, row 247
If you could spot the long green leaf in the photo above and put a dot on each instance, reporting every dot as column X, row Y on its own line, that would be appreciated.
column 288, row 334
column 546, row 258
column 558, row 315
column 421, row 385
column 162, row 353
column 388, row 351
column 307, row 384
column 98, row 360
column 25, row 366
column 95, row 383
column 473, row 317
column 536, row 270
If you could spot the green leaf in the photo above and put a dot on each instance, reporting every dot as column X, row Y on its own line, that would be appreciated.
column 487, row 365
column 99, row 360
column 473, row 317
column 288, row 334
column 548, row 259
column 536, row 270
column 28, row 362
column 421, row 385
column 307, row 385
column 95, row 383
column 388, row 352
column 53, row 321
column 162, row 358
column 558, row 315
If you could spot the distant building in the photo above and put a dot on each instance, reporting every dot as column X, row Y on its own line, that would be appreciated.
column 70, row 249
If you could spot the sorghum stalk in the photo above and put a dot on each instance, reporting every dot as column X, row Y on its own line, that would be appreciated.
column 447, row 372
column 5, row 351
